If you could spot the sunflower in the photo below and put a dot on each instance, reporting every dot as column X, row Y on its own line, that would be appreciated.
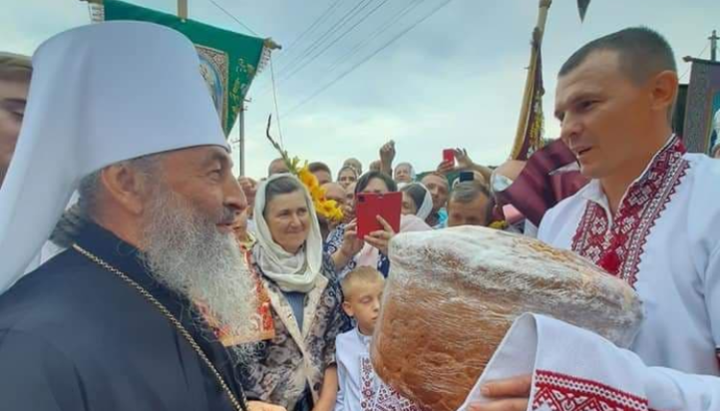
column 307, row 178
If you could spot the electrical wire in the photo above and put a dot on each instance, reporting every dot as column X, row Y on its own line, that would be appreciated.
column 690, row 66
column 388, row 24
column 339, row 24
column 233, row 17
column 345, row 33
column 277, row 111
column 366, row 59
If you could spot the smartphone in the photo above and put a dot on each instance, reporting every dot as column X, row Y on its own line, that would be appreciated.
column 449, row 156
column 369, row 205
column 466, row 176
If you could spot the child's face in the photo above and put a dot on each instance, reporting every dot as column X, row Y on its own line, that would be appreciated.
column 364, row 305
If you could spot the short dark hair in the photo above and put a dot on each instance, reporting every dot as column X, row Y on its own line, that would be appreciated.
column 436, row 174
column 364, row 181
column 15, row 67
column 319, row 166
column 417, row 192
column 348, row 168
column 643, row 53
column 468, row 191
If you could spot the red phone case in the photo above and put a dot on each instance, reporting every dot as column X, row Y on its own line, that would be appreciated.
column 369, row 206
column 449, row 155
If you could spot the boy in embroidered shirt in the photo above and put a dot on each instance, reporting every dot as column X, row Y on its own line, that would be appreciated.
column 360, row 388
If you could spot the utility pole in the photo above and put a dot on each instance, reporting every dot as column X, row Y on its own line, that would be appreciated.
column 713, row 45
column 182, row 9
column 241, row 139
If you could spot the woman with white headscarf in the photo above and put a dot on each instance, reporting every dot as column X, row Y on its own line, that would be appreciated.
column 295, row 367
column 417, row 200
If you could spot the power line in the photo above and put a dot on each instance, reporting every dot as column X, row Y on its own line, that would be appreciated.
column 289, row 50
column 233, row 17
column 314, row 24
column 410, row 6
column 388, row 24
column 332, row 30
column 277, row 111
column 313, row 58
column 301, row 58
column 368, row 58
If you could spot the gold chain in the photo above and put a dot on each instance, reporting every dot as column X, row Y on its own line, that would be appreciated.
column 181, row 329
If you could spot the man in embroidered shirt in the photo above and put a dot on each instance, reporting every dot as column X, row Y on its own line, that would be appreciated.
column 87, row 329
column 649, row 216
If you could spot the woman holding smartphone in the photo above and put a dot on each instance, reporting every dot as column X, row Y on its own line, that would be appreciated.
column 375, row 251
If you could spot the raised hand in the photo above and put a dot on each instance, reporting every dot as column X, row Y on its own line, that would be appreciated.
column 445, row 168
column 380, row 239
column 387, row 156
column 463, row 159
column 351, row 243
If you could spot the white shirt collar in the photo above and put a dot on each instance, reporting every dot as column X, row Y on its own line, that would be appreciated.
column 364, row 339
column 593, row 190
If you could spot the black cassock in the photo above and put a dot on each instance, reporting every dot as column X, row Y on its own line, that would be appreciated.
column 74, row 336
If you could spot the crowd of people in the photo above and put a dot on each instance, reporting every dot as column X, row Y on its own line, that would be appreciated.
column 166, row 282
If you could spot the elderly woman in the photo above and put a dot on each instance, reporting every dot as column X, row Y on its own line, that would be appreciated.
column 404, row 173
column 294, row 368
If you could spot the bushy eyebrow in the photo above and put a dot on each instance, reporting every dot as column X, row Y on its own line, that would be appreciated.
column 217, row 156
column 573, row 99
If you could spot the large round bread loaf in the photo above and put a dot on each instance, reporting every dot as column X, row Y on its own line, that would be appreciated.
column 452, row 295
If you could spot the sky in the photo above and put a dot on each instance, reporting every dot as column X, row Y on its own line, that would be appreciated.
column 454, row 79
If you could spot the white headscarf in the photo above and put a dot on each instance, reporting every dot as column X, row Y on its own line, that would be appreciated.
column 425, row 209
column 99, row 94
column 291, row 272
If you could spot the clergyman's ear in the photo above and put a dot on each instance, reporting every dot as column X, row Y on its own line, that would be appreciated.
column 124, row 185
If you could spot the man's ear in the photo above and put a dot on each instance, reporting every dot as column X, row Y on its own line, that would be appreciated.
column 664, row 88
column 124, row 185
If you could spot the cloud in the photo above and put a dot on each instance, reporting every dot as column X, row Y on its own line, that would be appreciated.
column 455, row 80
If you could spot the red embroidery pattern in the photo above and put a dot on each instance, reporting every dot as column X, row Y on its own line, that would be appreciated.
column 390, row 400
column 619, row 248
column 366, row 383
column 559, row 392
column 387, row 399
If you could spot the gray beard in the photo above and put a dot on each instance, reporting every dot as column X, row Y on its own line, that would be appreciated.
column 184, row 251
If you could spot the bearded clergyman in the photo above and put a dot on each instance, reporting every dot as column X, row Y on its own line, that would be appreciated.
column 121, row 320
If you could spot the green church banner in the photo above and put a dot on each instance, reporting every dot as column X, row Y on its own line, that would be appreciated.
column 228, row 61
